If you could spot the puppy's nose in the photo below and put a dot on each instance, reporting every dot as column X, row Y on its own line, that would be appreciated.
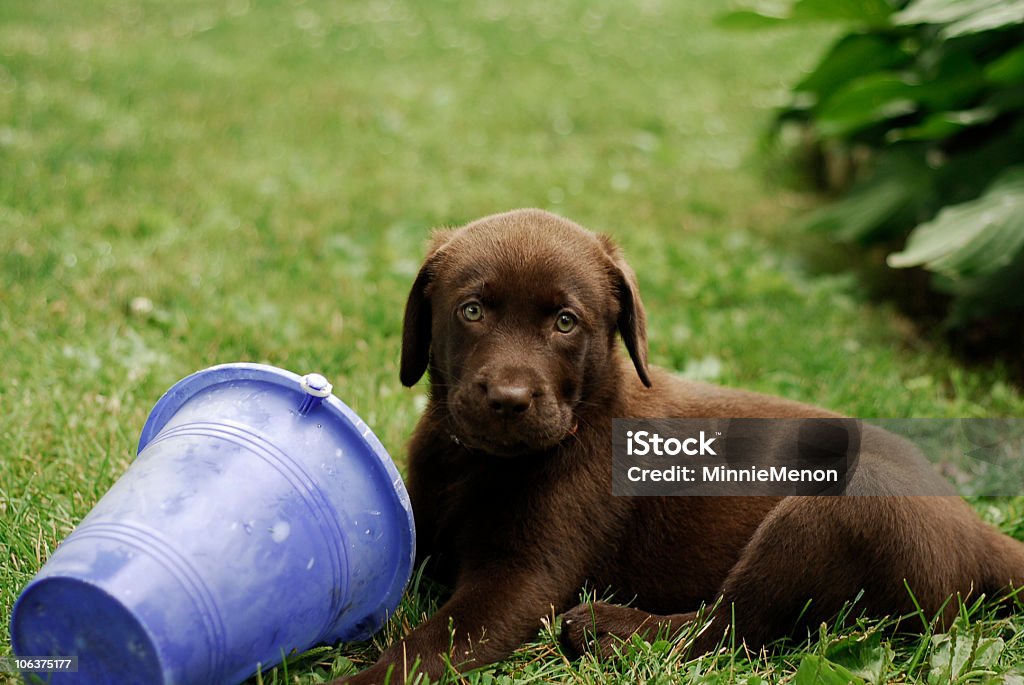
column 509, row 400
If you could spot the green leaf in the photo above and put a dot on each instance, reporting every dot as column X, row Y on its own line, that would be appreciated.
column 863, row 655
column 887, row 199
column 1007, row 100
column 865, row 101
column 997, row 17
column 873, row 13
column 1008, row 69
column 661, row 647
column 962, row 16
column 954, row 655
column 979, row 296
column 748, row 20
column 943, row 11
column 943, row 125
column 851, row 56
column 859, row 215
column 817, row 670
column 953, row 83
column 967, row 174
column 972, row 239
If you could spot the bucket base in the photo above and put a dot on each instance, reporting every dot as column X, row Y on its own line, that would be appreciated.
column 64, row 617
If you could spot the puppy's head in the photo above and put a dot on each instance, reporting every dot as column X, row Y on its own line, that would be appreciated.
column 516, row 315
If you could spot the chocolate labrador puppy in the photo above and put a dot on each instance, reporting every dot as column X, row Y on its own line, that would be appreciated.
column 517, row 318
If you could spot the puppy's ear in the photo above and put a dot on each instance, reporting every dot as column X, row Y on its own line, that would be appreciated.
column 632, row 321
column 416, row 330
column 418, row 316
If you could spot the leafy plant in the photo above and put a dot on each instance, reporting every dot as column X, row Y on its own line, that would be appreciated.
column 931, row 94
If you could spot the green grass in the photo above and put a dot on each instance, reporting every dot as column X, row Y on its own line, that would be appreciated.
column 263, row 176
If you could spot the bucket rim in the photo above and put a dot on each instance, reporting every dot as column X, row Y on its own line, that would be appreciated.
column 190, row 386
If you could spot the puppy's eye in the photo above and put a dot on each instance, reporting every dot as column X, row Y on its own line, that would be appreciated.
column 472, row 311
column 565, row 322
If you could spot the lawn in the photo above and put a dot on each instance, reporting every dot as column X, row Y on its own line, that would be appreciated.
column 189, row 183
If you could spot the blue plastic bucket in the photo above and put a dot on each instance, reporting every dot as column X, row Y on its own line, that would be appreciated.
column 261, row 517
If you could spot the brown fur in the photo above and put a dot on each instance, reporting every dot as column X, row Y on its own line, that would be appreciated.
column 510, row 475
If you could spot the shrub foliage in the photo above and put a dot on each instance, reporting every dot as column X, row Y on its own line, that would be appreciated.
column 931, row 94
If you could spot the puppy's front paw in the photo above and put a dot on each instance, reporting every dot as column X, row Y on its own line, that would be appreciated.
column 600, row 627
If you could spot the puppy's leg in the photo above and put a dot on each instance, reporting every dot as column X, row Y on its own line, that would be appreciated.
column 599, row 627
column 810, row 556
column 1005, row 567
column 813, row 555
column 795, row 555
column 492, row 612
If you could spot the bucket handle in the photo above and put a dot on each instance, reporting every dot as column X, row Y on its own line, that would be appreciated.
column 316, row 388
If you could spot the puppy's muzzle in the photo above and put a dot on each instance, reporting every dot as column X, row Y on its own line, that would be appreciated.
column 508, row 400
column 509, row 410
